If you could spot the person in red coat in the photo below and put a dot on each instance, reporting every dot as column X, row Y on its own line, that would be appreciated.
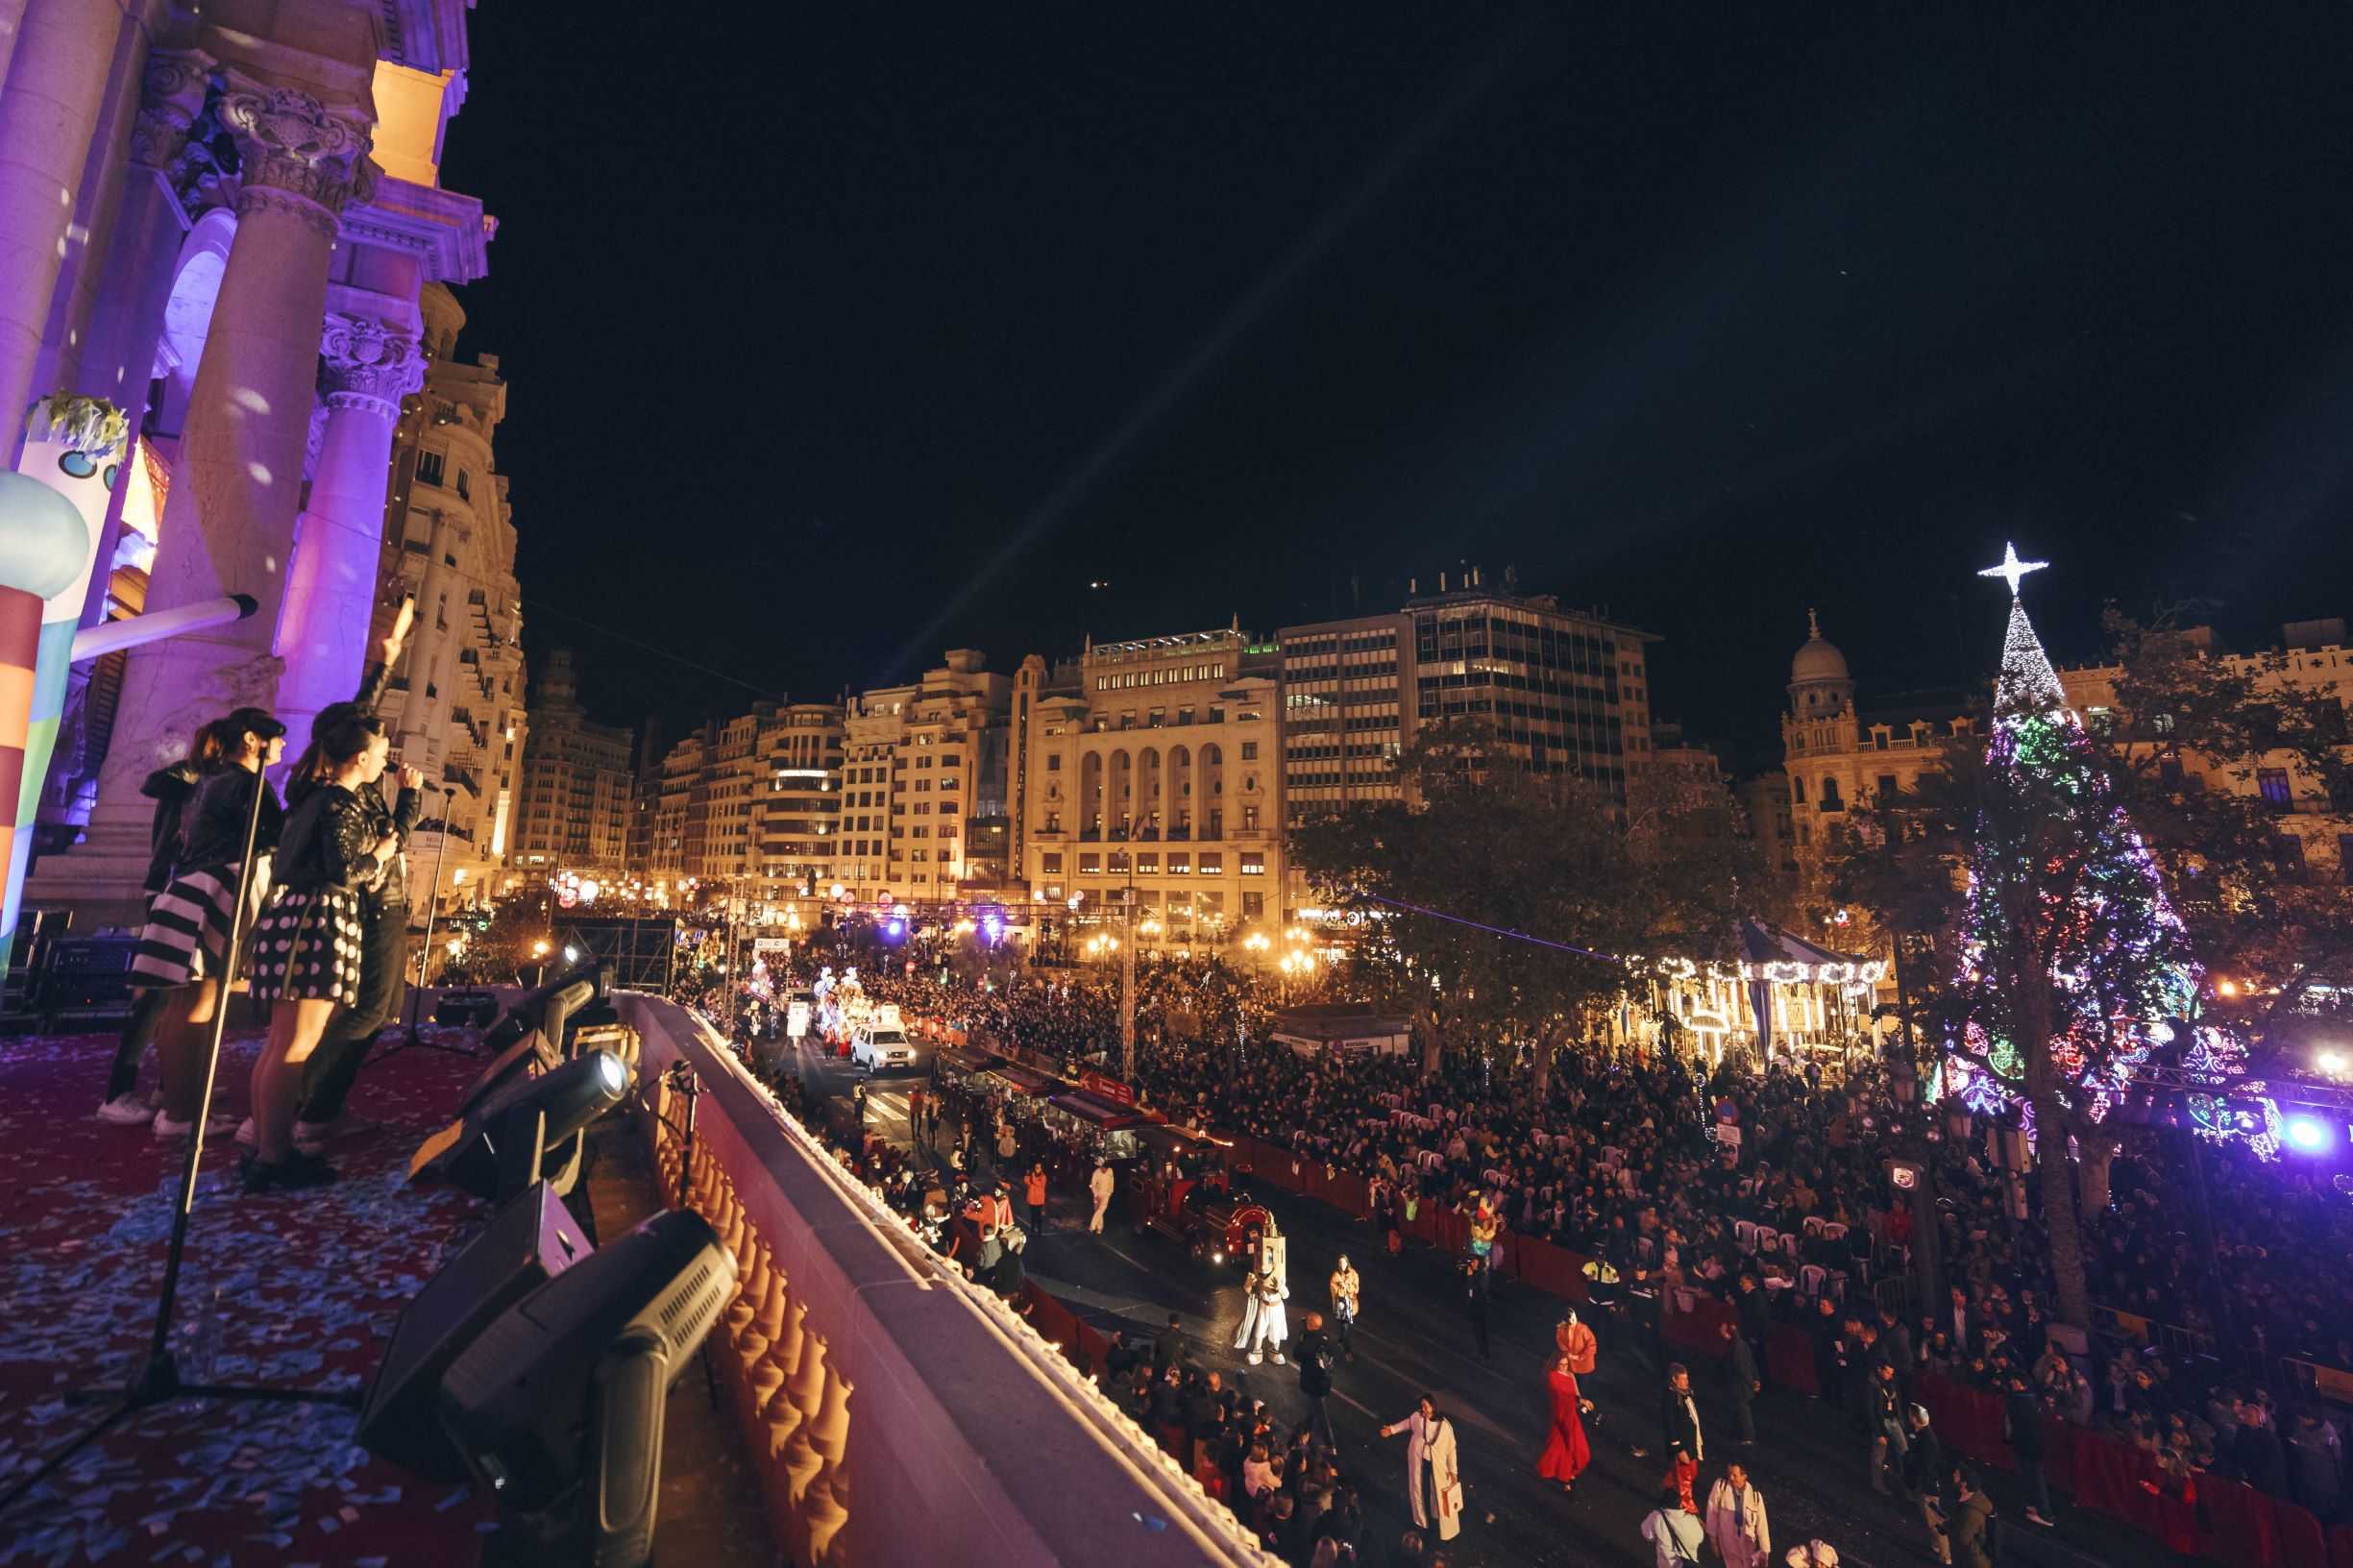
column 1566, row 1452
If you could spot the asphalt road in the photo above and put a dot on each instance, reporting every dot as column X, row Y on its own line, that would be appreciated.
column 1414, row 1337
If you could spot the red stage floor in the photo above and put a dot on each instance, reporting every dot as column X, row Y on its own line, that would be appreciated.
column 297, row 1290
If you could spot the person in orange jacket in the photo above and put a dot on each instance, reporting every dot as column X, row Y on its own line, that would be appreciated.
column 1033, row 1194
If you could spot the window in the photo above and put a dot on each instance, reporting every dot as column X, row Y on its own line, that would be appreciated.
column 1250, row 818
column 465, row 490
column 429, row 468
column 1250, row 751
column 1089, row 862
column 1888, row 789
column 1254, row 863
column 948, row 830
column 1147, row 865
column 1254, row 905
column 1212, row 863
column 1797, row 791
column 2288, row 854
column 2274, row 783
column 1181, row 860
column 1053, row 762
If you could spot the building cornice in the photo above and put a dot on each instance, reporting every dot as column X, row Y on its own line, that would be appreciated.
column 424, row 35
column 449, row 231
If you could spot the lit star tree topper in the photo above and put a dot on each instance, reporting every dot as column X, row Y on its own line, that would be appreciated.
column 2073, row 960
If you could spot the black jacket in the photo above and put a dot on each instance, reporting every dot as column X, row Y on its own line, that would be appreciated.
column 169, row 788
column 390, row 891
column 2025, row 1418
column 1924, row 1462
column 1677, row 1421
column 329, row 842
column 1314, row 1378
column 1740, row 1370
column 212, row 822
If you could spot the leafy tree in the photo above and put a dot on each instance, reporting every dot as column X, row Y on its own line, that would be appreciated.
column 1500, row 900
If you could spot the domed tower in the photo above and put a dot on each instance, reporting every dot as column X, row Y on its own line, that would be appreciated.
column 1819, row 684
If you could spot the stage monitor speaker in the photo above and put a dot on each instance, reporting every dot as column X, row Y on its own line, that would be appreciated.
column 529, row 1242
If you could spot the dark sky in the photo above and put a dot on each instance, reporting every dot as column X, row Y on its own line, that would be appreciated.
column 841, row 342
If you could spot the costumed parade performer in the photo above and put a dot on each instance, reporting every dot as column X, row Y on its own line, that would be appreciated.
column 1264, row 1328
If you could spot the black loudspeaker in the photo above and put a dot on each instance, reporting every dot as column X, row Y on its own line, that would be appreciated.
column 529, row 1242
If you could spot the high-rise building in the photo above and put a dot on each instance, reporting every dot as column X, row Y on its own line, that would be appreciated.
column 578, row 786
column 455, row 706
column 799, row 823
column 1147, row 779
column 921, row 763
column 1564, row 691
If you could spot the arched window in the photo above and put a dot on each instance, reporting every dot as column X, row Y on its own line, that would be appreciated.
column 1797, row 791
column 1829, row 791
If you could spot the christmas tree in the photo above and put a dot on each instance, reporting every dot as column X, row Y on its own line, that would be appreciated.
column 2073, row 965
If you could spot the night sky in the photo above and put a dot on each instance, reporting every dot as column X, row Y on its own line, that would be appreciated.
column 841, row 342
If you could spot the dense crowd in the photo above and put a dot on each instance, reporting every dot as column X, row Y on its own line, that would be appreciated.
column 1629, row 1161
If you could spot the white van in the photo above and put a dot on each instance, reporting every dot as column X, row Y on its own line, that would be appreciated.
column 879, row 1042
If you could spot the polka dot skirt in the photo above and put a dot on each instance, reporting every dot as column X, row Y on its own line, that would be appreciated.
column 306, row 946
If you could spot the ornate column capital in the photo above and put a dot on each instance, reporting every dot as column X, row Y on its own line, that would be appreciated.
column 368, row 365
column 170, row 98
column 294, row 154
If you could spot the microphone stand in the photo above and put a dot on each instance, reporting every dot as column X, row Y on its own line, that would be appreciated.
column 415, row 1038
column 156, row 1379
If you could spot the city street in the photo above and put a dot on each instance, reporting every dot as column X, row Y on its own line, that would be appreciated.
column 1415, row 1338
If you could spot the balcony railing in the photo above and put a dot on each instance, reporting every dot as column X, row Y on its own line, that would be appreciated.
column 871, row 1380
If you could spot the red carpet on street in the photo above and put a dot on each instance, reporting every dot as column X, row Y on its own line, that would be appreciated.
column 294, row 1291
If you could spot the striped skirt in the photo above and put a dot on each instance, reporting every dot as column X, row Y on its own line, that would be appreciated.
column 186, row 934
column 307, row 948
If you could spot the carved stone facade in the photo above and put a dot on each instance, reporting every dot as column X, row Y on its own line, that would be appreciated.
column 235, row 269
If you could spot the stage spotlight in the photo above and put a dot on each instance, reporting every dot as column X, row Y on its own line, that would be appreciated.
column 526, row 1131
column 2307, row 1134
column 556, row 1407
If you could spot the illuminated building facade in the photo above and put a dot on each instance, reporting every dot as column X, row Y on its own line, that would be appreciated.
column 457, row 705
column 222, row 220
column 1835, row 756
column 2313, row 656
column 921, row 765
column 576, row 784
column 1155, row 765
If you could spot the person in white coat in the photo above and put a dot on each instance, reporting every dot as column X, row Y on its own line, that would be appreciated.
column 1099, row 1187
column 1737, row 1525
column 1266, row 1325
column 1434, row 1480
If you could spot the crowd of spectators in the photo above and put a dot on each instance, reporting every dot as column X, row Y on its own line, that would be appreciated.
column 1624, row 1159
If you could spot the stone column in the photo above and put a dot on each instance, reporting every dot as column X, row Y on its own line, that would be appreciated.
column 229, row 519
column 57, row 83
column 118, row 351
column 366, row 366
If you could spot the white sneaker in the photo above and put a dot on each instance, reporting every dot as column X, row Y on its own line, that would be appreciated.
column 1255, row 1358
column 132, row 1110
column 248, row 1134
column 1277, row 1358
column 167, row 1129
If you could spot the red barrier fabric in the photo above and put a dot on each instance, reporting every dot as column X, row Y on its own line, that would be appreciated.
column 1698, row 1332
column 1789, row 1359
column 2241, row 1528
column 2340, row 1546
column 2302, row 1543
